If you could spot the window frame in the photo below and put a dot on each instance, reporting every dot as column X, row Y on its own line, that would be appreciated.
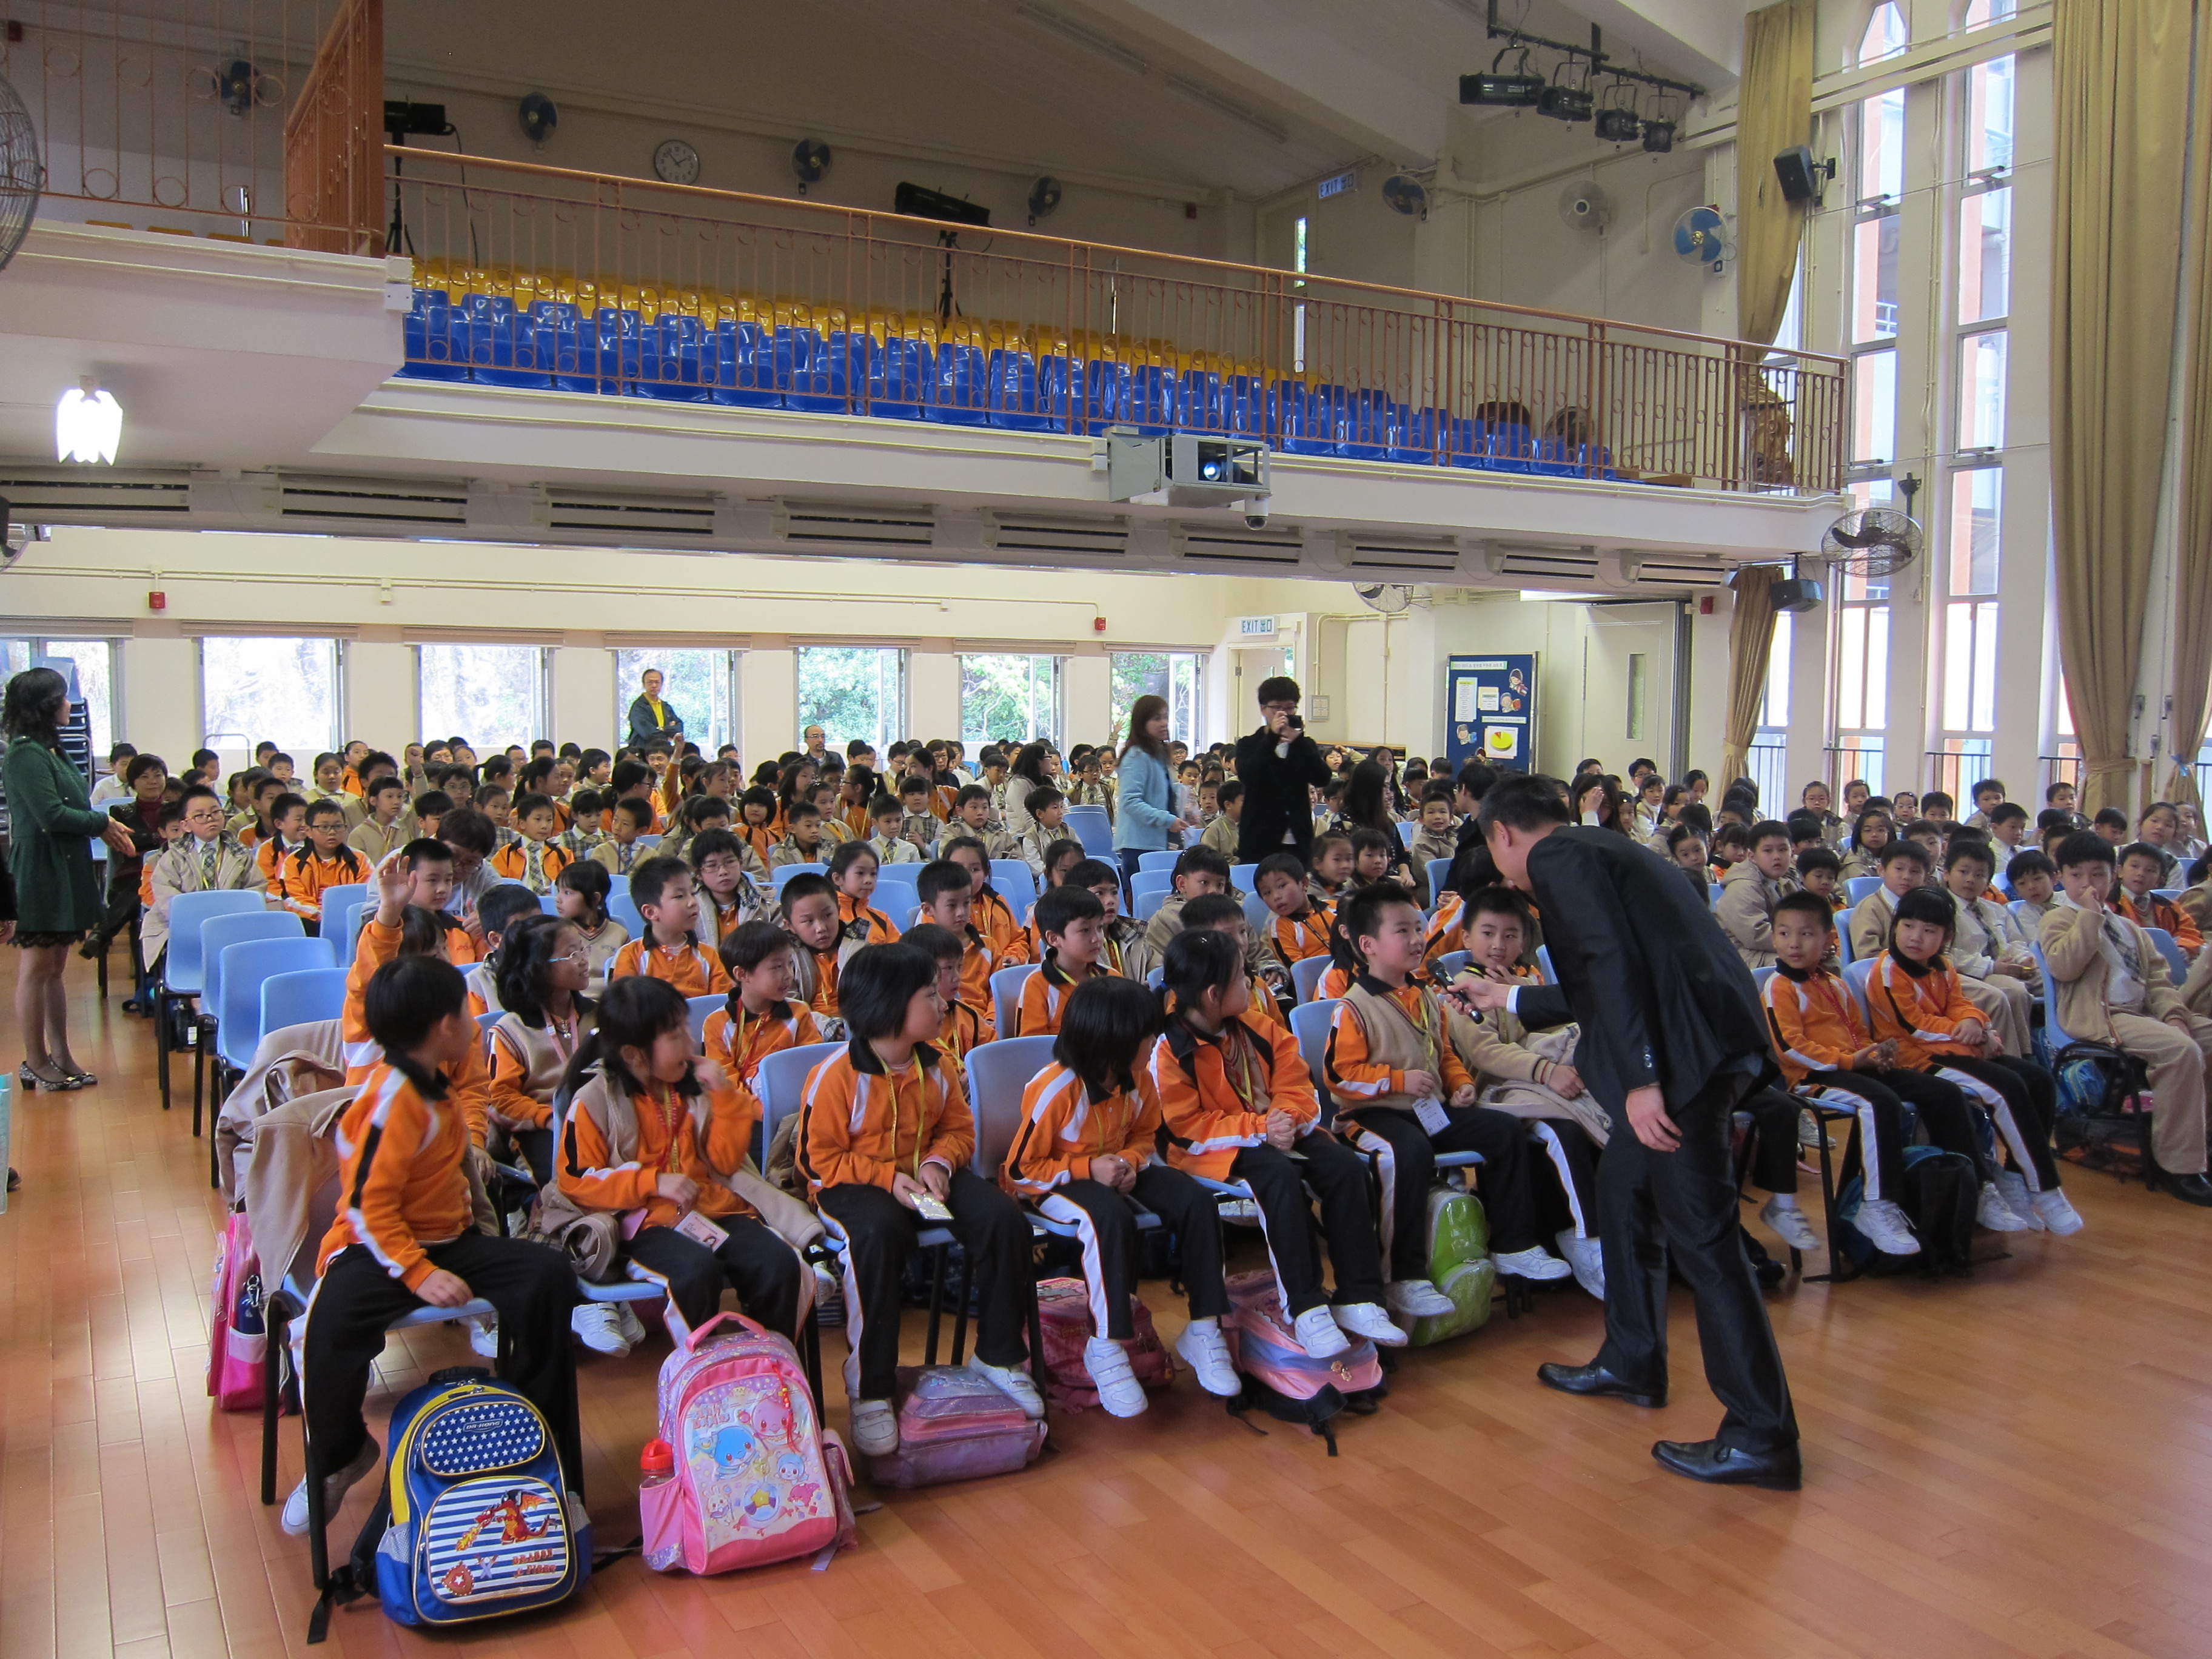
column 1116, row 715
column 729, row 674
column 892, row 726
column 332, row 743
column 1057, row 735
column 484, row 743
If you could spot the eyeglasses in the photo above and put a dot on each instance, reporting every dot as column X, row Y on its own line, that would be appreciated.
column 572, row 955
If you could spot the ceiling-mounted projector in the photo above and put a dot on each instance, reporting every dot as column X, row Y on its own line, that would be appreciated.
column 1186, row 469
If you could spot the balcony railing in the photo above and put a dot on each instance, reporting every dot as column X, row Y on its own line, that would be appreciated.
column 535, row 276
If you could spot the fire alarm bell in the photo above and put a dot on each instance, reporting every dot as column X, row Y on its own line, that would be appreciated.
column 1098, row 625
column 157, row 600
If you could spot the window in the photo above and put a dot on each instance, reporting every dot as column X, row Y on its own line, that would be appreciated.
column 701, row 686
column 1009, row 699
column 488, row 696
column 1874, row 408
column 1176, row 675
column 1885, row 35
column 284, row 689
column 1861, row 659
column 1767, row 760
column 94, row 662
column 1969, row 645
column 1298, row 310
column 853, row 692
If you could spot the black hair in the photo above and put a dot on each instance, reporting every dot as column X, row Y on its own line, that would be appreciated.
column 407, row 998
column 1929, row 904
column 712, row 844
column 1970, row 846
column 1201, row 862
column 1061, row 851
column 881, row 805
column 1696, row 815
column 1058, row 908
column 1819, row 858
column 952, row 844
column 633, row 1013
column 433, row 803
column 2050, row 792
column 1496, row 900
column 848, row 853
column 1904, row 848
column 2086, row 846
column 1278, row 688
column 637, row 810
column 590, row 880
column 1038, row 800
column 1211, row 909
column 1937, row 798
column 876, row 984
column 1997, row 784
column 504, row 903
column 914, row 785
column 700, row 808
column 627, row 775
column 1811, row 904
column 1280, row 864
column 2111, row 816
column 198, row 792
column 806, row 885
column 652, row 876
column 2029, row 862
column 1361, row 914
column 1104, row 1031
column 1198, row 960
column 288, row 802
column 2005, row 812
column 490, row 793
column 1231, row 790
column 469, row 830
column 970, row 792
column 800, row 808
column 1524, row 801
column 942, row 876
column 142, row 764
column 940, row 945
column 746, row 947
column 376, row 786
column 323, row 808
column 519, row 965
column 1804, row 826
column 1369, row 840
column 425, row 849
column 1091, row 874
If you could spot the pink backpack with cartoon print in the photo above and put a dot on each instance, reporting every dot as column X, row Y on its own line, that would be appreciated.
column 238, row 1334
column 757, row 1477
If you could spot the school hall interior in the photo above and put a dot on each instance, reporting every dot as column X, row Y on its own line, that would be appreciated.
column 1818, row 392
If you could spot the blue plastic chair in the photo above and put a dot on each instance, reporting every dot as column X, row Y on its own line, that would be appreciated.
column 997, row 1074
column 1148, row 862
column 217, row 934
column 245, row 967
column 1544, row 965
column 1856, row 976
column 338, row 905
column 1305, row 977
column 1149, row 881
column 182, row 962
column 784, row 872
column 624, row 909
column 1859, row 886
column 1759, row 978
column 485, row 1021
column 702, row 1009
column 1257, row 916
column 2020, row 914
column 550, row 903
column 1015, row 884
column 896, row 892
column 1310, row 1023
column 779, row 1084
column 1244, row 878
column 1713, row 891
column 1006, row 996
column 1095, row 829
column 303, row 997
column 1448, row 964
column 1407, row 831
column 2176, row 962
column 1844, row 946
column 1150, row 904
column 1437, row 869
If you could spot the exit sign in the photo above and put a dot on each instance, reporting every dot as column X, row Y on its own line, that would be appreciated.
column 1255, row 627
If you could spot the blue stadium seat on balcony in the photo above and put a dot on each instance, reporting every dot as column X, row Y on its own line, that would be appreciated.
column 608, row 351
column 960, row 387
column 1057, row 379
column 1594, row 460
column 1470, row 443
column 1105, row 395
column 1366, row 427
column 1417, row 434
column 744, row 366
column 898, row 377
column 1013, row 405
column 675, row 360
column 475, row 321
column 1512, row 449
column 1554, row 459
column 1244, row 406
column 523, row 348
column 1306, row 418
column 811, row 368
column 1199, row 406
column 1151, row 404
column 427, row 333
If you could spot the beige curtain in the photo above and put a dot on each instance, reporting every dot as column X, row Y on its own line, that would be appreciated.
column 2120, row 73
column 2192, row 587
column 1774, row 112
column 1751, row 640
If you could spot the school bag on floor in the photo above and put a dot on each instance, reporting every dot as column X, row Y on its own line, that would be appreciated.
column 1280, row 1378
column 1939, row 1194
column 1459, row 1265
column 954, row 1425
column 238, row 1333
column 479, row 1519
column 757, row 1478
column 1064, row 1308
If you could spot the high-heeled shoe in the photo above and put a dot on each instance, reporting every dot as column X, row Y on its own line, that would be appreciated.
column 61, row 1083
column 78, row 1078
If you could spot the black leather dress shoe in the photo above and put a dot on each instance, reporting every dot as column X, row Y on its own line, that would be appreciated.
column 2191, row 1189
column 1596, row 1380
column 1726, row 1466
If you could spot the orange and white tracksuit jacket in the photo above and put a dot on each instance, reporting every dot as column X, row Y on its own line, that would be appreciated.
column 691, row 967
column 738, row 1042
column 863, row 924
column 536, row 865
column 1045, row 994
column 304, row 873
column 2157, row 912
column 1065, row 1126
column 992, row 916
column 469, row 1082
column 401, row 1184
column 1357, row 1079
column 1298, row 937
column 860, row 1124
column 1215, row 1092
column 1816, row 1023
column 1922, row 1010
column 616, row 1146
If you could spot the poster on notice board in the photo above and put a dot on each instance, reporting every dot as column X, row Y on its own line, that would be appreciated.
column 1490, row 707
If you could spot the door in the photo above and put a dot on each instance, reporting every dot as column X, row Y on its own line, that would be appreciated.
column 1628, row 685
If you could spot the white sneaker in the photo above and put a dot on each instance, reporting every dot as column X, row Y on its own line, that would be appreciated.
column 1887, row 1227
column 1534, row 1262
column 1319, row 1334
column 1790, row 1225
column 1809, row 1132
column 2013, row 1185
column 1013, row 1384
column 1586, row 1258
column 1367, row 1319
column 598, row 1329
column 2058, row 1213
column 1119, row 1391
column 335, row 1487
column 632, row 1328
column 1205, row 1351
column 1993, row 1212
column 483, row 1337
column 1418, row 1298
column 875, row 1428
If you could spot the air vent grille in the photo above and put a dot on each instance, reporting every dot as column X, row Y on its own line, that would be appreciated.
column 621, row 515
column 1549, row 564
column 1276, row 549
column 371, row 501
column 1436, row 556
column 1099, row 538
column 891, row 528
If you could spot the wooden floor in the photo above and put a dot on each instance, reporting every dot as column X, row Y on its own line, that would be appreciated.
column 2018, row 1464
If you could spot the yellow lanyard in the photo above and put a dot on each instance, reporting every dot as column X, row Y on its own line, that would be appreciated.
column 665, row 1103
column 892, row 1079
column 1240, row 1068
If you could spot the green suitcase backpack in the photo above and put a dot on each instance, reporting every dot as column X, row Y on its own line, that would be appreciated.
column 1460, row 1264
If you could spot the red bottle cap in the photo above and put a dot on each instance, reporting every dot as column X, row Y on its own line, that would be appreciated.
column 658, row 1457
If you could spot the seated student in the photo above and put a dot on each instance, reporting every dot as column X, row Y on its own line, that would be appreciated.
column 1988, row 795
column 532, row 859
column 1687, row 850
column 502, row 908
column 633, row 817
column 579, row 898
column 288, row 833
column 1200, row 869
column 1087, row 1154
column 2035, row 881
column 324, row 861
column 1407, row 1096
column 807, row 910
column 423, row 815
column 1228, row 822
column 1750, row 890
column 1916, row 999
column 971, row 818
column 633, row 781
column 804, row 840
column 966, row 1026
column 2143, row 867
column 326, row 781
column 280, row 768
column 1376, row 857
column 1124, row 951
column 1438, row 837
column 760, row 1018
column 1990, row 946
column 1328, row 867
column 882, row 1126
column 1819, row 872
column 1905, row 867
column 378, row 835
column 1047, row 810
column 652, row 1132
column 2007, row 830
column 1072, row 925
column 543, row 1016
column 694, row 816
column 919, row 827
column 854, row 792
column 1235, row 1099
column 402, row 1240
column 2159, row 829
column 1936, row 808
column 205, row 859
column 728, row 897
column 1731, row 846
column 992, row 916
column 588, row 824
column 494, row 801
column 946, row 888
column 1933, row 839
column 662, row 889
column 852, row 873
column 888, row 818
column 2113, row 987
column 1059, row 858
column 1300, row 926
column 1273, row 992
column 2111, row 823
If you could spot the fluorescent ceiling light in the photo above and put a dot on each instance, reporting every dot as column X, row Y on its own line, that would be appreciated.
column 87, row 424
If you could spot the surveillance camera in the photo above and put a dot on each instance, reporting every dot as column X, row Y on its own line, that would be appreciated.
column 1255, row 515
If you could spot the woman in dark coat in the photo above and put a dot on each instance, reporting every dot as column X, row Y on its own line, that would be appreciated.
column 50, row 829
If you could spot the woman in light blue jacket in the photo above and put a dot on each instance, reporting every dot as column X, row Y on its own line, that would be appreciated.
column 1146, row 813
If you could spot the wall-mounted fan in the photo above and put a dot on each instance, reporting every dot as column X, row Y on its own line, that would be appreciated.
column 1391, row 599
column 1584, row 206
column 22, row 178
column 1701, row 236
column 1407, row 195
column 1044, row 196
column 1875, row 541
column 809, row 162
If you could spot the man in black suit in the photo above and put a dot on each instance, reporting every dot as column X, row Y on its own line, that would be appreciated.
column 1472, row 865
column 1672, row 1037
column 1278, row 765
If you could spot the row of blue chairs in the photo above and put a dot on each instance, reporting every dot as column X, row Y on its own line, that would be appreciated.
column 554, row 346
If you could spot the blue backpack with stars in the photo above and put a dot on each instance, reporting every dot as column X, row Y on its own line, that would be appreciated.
column 482, row 1523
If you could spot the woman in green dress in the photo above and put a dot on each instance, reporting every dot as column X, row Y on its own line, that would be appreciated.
column 50, row 829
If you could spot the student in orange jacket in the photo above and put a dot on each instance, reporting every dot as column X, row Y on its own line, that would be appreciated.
column 403, row 1240
column 884, row 1135
column 946, row 892
column 652, row 1132
column 1087, row 1155
column 401, row 927
column 989, row 912
column 1235, row 1099
column 1072, row 923
column 662, row 889
column 760, row 1018
column 967, row 1025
